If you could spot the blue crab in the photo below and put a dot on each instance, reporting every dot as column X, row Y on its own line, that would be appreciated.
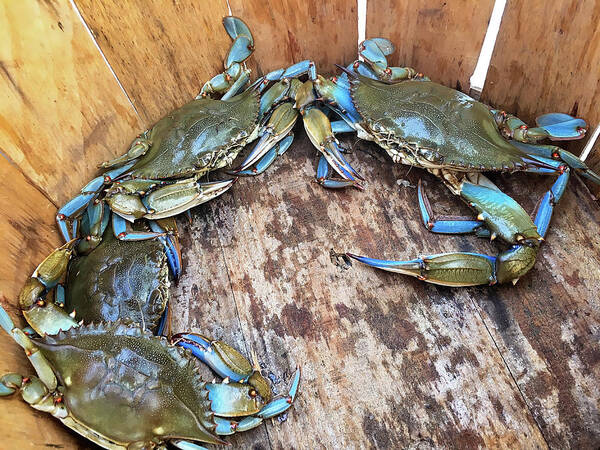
column 121, row 387
column 116, row 383
column 427, row 125
column 160, row 175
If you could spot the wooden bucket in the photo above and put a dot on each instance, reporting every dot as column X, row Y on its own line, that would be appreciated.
column 388, row 361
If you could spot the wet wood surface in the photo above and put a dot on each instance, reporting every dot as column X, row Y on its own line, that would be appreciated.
column 439, row 38
column 546, row 60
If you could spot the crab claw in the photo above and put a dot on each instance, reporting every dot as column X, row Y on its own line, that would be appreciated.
column 224, row 360
column 319, row 131
column 281, row 122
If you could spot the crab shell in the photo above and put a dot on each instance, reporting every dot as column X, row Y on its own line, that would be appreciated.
column 119, row 280
column 201, row 136
column 125, row 388
column 432, row 126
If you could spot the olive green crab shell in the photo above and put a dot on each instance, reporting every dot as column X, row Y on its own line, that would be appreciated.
column 119, row 280
column 127, row 385
column 196, row 137
column 447, row 127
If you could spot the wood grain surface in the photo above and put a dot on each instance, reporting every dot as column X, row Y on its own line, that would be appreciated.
column 546, row 60
column 161, row 52
column 439, row 38
column 388, row 361
column 62, row 111
column 289, row 31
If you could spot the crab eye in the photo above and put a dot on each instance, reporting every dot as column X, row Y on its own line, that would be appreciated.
column 252, row 393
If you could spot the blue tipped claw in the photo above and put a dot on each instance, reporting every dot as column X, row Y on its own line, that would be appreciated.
column 562, row 126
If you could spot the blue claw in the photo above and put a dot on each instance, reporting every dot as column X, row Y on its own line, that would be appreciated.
column 562, row 126
column 120, row 230
column 240, row 51
column 236, row 27
column 445, row 226
column 280, row 405
column 202, row 349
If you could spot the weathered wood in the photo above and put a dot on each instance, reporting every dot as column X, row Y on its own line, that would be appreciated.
column 289, row 31
column 441, row 39
column 161, row 52
column 389, row 361
column 62, row 111
column 546, row 59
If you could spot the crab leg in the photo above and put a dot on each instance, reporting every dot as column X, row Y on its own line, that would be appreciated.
column 227, row 427
column 447, row 224
column 75, row 207
column 555, row 155
column 269, row 158
column 277, row 128
column 319, row 131
column 224, row 360
column 504, row 218
column 324, row 176
column 167, row 228
column 44, row 316
column 37, row 359
column 554, row 126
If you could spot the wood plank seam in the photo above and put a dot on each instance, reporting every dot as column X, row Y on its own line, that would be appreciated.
column 523, row 397
column 104, row 58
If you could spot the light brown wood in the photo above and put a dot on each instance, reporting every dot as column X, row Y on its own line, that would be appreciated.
column 27, row 235
column 162, row 52
column 289, row 31
column 441, row 39
column 546, row 59
column 62, row 111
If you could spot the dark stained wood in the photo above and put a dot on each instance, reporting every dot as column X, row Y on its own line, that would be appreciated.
column 289, row 31
column 62, row 111
column 439, row 38
column 546, row 60
column 161, row 52
column 388, row 360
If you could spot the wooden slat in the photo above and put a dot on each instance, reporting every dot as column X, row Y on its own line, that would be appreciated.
column 162, row 52
column 389, row 361
column 62, row 111
column 546, row 59
column 288, row 31
column 439, row 38
column 27, row 235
